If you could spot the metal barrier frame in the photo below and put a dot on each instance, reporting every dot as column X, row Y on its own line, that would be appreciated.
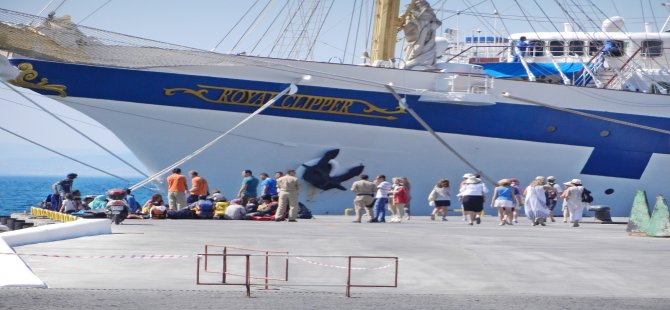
column 247, row 278
column 266, row 254
column 349, row 285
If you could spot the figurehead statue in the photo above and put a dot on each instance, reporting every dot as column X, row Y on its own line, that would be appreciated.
column 420, row 24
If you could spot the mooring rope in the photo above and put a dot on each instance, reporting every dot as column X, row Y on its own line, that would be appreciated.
column 289, row 90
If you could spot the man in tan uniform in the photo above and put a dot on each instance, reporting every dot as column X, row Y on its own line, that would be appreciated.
column 364, row 190
column 288, row 195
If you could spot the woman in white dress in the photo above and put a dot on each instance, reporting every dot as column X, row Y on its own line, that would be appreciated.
column 564, row 206
column 536, row 201
column 573, row 200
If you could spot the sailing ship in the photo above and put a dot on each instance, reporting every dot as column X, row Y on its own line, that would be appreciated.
column 418, row 118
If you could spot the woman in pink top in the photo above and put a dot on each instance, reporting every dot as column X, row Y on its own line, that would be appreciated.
column 400, row 199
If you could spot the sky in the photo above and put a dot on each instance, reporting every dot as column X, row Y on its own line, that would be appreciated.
column 204, row 23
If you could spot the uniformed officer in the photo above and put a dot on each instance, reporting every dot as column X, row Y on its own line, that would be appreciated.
column 365, row 191
column 288, row 196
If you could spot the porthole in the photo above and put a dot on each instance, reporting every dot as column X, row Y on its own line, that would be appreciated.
column 551, row 128
column 605, row 133
column 609, row 191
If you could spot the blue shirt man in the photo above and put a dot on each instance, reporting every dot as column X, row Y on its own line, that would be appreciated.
column 522, row 45
column 64, row 186
column 132, row 202
column 268, row 185
column 249, row 186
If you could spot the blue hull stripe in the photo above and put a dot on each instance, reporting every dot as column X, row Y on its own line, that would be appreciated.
column 623, row 153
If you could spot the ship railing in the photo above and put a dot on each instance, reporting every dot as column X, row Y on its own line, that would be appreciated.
column 624, row 72
column 638, row 62
column 222, row 267
column 590, row 72
column 472, row 53
column 596, row 60
column 464, row 83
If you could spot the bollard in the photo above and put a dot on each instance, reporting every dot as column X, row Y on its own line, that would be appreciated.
column 602, row 213
column 3, row 219
column 18, row 224
column 10, row 223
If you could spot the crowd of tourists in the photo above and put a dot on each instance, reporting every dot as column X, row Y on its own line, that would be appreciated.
column 538, row 199
column 276, row 199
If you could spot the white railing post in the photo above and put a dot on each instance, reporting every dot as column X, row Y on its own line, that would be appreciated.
column 531, row 76
column 566, row 80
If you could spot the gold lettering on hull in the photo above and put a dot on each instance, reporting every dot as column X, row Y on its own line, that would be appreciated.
column 297, row 102
column 28, row 74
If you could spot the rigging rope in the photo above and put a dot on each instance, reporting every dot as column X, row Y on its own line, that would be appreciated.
column 288, row 24
column 234, row 26
column 262, row 38
column 75, row 129
column 289, row 90
column 351, row 23
column 303, row 31
column 589, row 115
column 316, row 37
column 403, row 105
column 253, row 26
column 358, row 27
column 61, row 154
column 94, row 11
column 502, row 21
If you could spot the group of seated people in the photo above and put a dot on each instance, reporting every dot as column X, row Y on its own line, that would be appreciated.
column 67, row 202
column 214, row 206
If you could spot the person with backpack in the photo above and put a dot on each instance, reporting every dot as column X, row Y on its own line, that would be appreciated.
column 552, row 196
column 574, row 199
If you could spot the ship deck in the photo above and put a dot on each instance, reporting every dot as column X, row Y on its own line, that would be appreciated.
column 441, row 265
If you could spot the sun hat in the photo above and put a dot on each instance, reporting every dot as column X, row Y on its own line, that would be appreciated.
column 472, row 180
column 576, row 182
column 468, row 175
column 504, row 182
column 567, row 183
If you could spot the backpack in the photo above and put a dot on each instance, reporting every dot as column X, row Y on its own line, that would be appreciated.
column 552, row 193
column 586, row 196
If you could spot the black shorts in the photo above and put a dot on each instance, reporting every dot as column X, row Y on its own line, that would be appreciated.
column 442, row 203
column 473, row 203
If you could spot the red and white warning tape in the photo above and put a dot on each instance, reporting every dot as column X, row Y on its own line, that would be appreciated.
column 340, row 267
column 141, row 256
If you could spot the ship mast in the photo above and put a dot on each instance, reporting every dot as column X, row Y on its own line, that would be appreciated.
column 386, row 27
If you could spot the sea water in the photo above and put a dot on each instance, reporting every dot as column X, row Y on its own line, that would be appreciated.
column 19, row 193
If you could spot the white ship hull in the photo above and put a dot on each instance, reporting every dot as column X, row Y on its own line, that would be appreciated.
column 159, row 135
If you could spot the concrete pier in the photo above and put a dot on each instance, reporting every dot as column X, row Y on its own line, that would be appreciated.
column 442, row 265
